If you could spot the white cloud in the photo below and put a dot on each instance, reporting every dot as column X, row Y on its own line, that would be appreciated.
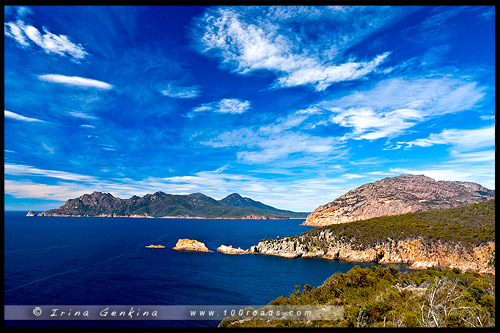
column 226, row 105
column 75, row 81
column 173, row 91
column 473, row 157
column 25, row 34
column 283, row 145
column 352, row 176
column 26, row 170
column 487, row 117
column 12, row 115
column 463, row 140
column 257, row 39
column 275, row 141
column 14, row 31
column 87, row 126
column 27, row 189
column 393, row 106
column 370, row 125
column 81, row 115
column 324, row 76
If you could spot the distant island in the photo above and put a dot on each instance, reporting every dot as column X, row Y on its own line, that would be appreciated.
column 159, row 204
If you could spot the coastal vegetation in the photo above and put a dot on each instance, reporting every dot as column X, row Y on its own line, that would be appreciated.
column 462, row 237
column 387, row 297
column 470, row 226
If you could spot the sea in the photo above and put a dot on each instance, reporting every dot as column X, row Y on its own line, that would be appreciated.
column 104, row 261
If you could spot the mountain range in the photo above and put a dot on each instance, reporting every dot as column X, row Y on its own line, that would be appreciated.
column 161, row 204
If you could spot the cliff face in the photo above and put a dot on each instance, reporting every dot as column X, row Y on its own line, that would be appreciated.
column 415, row 252
column 161, row 204
column 398, row 195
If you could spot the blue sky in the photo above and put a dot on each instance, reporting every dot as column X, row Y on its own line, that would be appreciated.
column 291, row 106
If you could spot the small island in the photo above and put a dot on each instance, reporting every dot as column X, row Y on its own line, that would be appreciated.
column 155, row 246
column 231, row 250
column 190, row 245
column 31, row 213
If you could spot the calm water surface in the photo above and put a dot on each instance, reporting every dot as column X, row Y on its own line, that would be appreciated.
column 103, row 261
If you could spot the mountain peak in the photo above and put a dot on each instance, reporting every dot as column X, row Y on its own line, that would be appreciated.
column 101, row 194
column 197, row 195
column 412, row 176
column 234, row 195
column 405, row 193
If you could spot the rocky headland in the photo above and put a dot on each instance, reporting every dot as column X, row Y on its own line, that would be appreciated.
column 462, row 238
column 398, row 195
column 231, row 250
column 190, row 245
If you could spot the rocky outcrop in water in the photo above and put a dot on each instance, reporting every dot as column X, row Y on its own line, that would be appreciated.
column 31, row 213
column 231, row 250
column 190, row 245
column 398, row 195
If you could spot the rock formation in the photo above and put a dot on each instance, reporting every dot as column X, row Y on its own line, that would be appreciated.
column 398, row 195
column 462, row 238
column 231, row 250
column 412, row 251
column 31, row 213
column 190, row 245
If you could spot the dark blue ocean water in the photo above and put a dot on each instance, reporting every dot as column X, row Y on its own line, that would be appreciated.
column 99, row 261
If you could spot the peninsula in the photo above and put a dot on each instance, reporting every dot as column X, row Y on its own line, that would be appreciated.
column 462, row 238
column 159, row 204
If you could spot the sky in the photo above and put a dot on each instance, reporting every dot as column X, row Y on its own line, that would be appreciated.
column 290, row 106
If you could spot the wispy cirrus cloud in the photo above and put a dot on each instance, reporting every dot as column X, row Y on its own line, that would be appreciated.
column 27, row 170
column 81, row 115
column 275, row 141
column 26, row 35
column 268, row 39
column 12, row 115
column 394, row 105
column 462, row 140
column 174, row 91
column 226, row 105
column 75, row 81
column 369, row 125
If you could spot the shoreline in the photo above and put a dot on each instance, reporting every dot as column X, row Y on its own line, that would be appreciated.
column 180, row 217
